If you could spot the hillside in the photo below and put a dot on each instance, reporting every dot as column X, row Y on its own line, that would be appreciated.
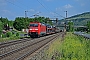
column 79, row 19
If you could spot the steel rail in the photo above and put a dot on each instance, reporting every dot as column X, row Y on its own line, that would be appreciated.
column 6, row 44
column 30, row 52
column 16, row 50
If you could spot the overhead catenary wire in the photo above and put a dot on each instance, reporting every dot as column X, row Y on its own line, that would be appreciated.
column 18, row 6
column 14, row 4
column 50, row 9
column 27, row 6
column 38, row 2
column 56, row 13
column 42, row 5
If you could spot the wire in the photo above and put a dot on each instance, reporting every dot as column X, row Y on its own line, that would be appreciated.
column 50, row 9
column 22, row 4
column 42, row 5
column 59, row 14
column 14, row 4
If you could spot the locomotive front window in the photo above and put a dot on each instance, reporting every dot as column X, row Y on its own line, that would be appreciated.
column 33, row 25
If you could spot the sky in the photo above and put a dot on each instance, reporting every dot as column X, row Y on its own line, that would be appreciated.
column 48, row 8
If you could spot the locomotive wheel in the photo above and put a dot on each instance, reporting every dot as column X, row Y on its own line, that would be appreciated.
column 32, row 36
column 38, row 36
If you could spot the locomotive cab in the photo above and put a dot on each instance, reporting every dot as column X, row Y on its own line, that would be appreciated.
column 36, row 29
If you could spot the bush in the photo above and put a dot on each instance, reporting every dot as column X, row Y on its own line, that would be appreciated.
column 17, row 34
column 3, row 35
column 13, row 32
column 8, row 34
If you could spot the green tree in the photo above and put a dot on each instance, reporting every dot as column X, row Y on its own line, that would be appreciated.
column 10, row 23
column 71, row 29
column 1, row 27
column 88, row 25
column 8, row 34
column 19, row 23
column 47, row 20
column 22, row 23
column 4, row 21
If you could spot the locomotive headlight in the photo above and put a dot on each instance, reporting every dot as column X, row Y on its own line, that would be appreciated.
column 33, row 29
column 36, row 29
column 30, row 29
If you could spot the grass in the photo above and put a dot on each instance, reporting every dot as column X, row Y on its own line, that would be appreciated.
column 71, row 48
column 13, row 36
column 9, row 38
column 75, row 48
column 88, row 32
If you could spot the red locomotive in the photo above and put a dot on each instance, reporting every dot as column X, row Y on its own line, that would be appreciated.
column 37, row 29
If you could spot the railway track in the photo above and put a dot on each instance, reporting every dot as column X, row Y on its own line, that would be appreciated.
column 27, row 48
column 9, row 46
column 5, row 44
column 83, row 34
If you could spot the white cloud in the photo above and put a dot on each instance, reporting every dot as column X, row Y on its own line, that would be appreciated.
column 59, row 9
column 68, row 6
column 32, row 10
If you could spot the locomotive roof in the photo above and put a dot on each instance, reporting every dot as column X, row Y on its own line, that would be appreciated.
column 42, row 23
column 34, row 22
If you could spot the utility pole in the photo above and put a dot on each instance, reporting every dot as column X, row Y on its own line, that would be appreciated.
column 66, row 14
column 26, row 19
column 56, row 21
column 26, row 14
column 65, row 19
